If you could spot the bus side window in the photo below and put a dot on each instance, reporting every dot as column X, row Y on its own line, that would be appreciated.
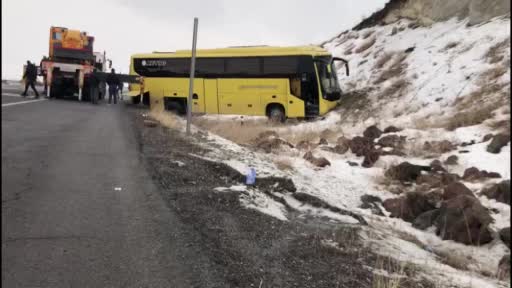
column 295, row 86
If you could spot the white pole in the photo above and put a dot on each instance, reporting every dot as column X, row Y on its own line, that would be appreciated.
column 192, row 70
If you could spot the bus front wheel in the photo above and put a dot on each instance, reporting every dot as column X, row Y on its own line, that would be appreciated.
column 276, row 114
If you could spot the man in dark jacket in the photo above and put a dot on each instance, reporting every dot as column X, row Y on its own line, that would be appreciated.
column 30, row 77
column 94, row 83
column 43, row 73
column 113, row 84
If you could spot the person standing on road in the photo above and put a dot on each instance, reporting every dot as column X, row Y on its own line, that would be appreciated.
column 120, row 91
column 43, row 72
column 113, row 84
column 94, row 82
column 30, row 77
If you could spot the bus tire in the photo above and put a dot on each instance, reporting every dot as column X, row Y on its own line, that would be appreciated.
column 276, row 114
column 176, row 107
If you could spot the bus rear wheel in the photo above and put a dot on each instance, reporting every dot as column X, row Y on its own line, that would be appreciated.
column 276, row 114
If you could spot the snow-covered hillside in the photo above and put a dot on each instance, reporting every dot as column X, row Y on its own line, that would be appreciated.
column 422, row 77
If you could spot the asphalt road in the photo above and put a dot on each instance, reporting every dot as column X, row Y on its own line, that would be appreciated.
column 78, row 208
column 93, row 198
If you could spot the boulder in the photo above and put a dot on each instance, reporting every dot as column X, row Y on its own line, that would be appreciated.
column 269, row 144
column 305, row 145
column 408, row 207
column 323, row 141
column 463, row 219
column 372, row 132
column 498, row 141
column 353, row 164
column 391, row 129
column 406, row 172
column 473, row 173
column 343, row 141
column 431, row 180
column 487, row 137
column 371, row 202
column 439, row 147
column 505, row 236
column 437, row 166
column 426, row 219
column 360, row 145
column 448, row 178
column 500, row 192
column 393, row 141
column 340, row 149
column 319, row 162
column 464, row 144
column 456, row 189
column 452, row 160
column 370, row 158
column 504, row 268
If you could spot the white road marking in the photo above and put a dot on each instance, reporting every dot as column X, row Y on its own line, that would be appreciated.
column 11, row 94
column 22, row 102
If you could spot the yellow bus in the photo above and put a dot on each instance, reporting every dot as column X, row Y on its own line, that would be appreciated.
column 277, row 82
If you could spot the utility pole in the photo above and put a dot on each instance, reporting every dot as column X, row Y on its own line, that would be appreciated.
column 192, row 71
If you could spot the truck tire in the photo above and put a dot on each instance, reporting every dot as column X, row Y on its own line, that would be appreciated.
column 135, row 100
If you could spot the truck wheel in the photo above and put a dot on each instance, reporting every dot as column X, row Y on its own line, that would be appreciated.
column 135, row 100
column 276, row 115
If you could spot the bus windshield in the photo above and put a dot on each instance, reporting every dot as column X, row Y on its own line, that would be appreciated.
column 327, row 74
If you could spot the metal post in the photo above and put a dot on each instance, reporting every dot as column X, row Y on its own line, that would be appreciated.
column 192, row 70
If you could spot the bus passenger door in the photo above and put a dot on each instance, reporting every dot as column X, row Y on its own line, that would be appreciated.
column 211, row 102
column 295, row 105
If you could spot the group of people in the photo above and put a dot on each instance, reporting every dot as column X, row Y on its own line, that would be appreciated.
column 115, row 86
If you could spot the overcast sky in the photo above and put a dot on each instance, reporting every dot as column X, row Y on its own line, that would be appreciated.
column 125, row 27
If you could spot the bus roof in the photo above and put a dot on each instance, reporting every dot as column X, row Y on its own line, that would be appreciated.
column 241, row 52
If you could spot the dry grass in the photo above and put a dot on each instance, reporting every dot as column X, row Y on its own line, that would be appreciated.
column 486, row 92
column 383, row 59
column 238, row 131
column 495, row 53
column 166, row 119
column 284, row 164
column 349, row 49
column 466, row 48
column 352, row 35
column 454, row 259
column 472, row 117
column 491, row 74
column 502, row 126
column 367, row 34
column 396, row 273
column 366, row 45
column 394, row 69
column 395, row 89
column 449, row 46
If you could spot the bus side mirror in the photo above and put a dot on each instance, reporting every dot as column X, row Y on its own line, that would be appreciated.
column 345, row 62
